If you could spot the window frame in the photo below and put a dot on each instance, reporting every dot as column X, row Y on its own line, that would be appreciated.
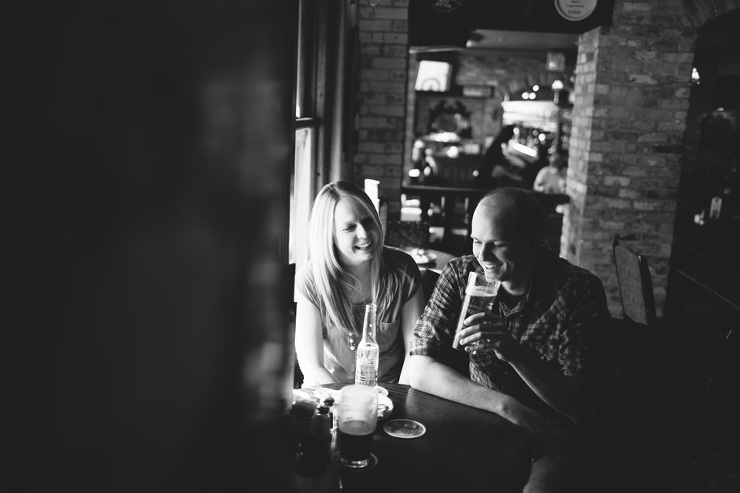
column 306, row 176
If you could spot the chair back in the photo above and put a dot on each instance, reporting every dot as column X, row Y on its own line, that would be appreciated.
column 407, row 234
column 428, row 282
column 635, row 285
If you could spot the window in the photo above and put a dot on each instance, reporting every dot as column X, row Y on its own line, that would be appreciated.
column 302, row 193
column 321, row 86
column 309, row 83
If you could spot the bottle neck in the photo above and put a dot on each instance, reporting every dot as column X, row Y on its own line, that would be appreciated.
column 368, row 327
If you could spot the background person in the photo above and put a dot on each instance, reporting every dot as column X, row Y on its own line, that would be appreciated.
column 533, row 358
column 348, row 267
column 495, row 168
column 551, row 178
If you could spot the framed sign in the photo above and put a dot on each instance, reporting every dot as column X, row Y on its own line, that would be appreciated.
column 433, row 76
column 575, row 10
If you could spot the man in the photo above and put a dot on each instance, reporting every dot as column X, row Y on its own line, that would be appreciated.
column 532, row 357
column 551, row 178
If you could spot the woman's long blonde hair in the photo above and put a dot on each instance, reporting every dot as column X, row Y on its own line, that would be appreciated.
column 334, row 284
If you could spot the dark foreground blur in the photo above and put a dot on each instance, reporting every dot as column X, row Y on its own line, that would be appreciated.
column 144, row 150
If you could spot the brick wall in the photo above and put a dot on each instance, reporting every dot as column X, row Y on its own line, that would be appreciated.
column 382, row 96
column 632, row 90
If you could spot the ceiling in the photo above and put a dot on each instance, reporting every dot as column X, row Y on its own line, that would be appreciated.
column 498, row 40
column 492, row 39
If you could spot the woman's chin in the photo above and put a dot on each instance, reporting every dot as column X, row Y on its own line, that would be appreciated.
column 361, row 256
column 365, row 254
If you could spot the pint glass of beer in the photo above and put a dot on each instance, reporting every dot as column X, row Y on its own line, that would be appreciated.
column 479, row 296
column 357, row 415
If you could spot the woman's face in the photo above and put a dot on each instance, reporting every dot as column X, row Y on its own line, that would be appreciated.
column 355, row 235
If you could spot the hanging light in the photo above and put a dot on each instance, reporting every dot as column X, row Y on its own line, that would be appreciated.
column 555, row 61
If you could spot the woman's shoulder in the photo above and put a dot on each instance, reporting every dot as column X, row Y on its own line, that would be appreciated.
column 304, row 270
column 304, row 276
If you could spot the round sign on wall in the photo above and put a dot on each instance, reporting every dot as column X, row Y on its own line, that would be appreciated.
column 575, row 10
column 446, row 6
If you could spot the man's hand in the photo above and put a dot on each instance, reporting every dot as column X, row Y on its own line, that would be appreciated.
column 531, row 420
column 486, row 330
column 522, row 416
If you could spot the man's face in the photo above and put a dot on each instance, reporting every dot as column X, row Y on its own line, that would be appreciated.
column 498, row 245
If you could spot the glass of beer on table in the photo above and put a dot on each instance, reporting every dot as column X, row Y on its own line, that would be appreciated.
column 480, row 294
column 357, row 416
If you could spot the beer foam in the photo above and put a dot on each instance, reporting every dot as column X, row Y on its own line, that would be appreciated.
column 356, row 427
column 482, row 291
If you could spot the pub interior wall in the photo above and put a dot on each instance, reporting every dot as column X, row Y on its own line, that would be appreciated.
column 632, row 99
column 505, row 74
column 712, row 140
column 629, row 119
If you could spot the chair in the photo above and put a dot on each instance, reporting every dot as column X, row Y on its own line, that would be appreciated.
column 428, row 282
column 643, row 400
column 635, row 285
column 632, row 341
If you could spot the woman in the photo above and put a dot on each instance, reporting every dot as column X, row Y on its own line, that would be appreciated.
column 348, row 267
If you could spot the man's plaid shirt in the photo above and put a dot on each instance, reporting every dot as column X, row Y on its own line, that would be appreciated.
column 558, row 319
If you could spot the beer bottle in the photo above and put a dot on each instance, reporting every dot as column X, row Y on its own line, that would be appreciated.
column 368, row 352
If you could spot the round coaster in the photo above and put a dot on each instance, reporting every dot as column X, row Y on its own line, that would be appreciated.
column 404, row 428
column 372, row 462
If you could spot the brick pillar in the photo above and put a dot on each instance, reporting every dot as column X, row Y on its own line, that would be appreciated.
column 632, row 88
column 382, row 97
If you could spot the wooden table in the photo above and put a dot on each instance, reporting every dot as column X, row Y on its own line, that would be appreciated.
column 440, row 259
column 463, row 449
column 720, row 376
column 722, row 285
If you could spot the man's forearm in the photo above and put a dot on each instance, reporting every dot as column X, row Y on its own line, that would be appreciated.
column 433, row 377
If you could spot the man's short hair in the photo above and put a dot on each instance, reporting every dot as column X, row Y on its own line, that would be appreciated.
column 531, row 214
